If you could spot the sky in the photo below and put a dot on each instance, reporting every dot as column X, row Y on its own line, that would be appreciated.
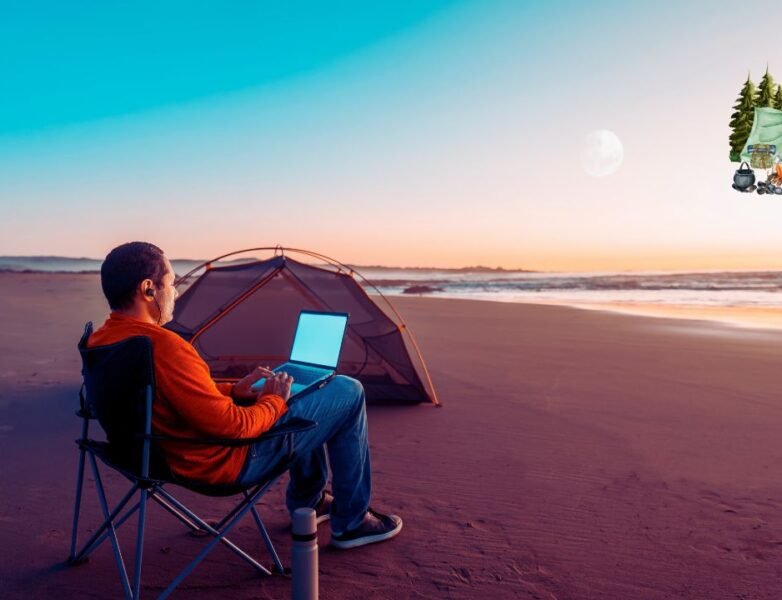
column 421, row 133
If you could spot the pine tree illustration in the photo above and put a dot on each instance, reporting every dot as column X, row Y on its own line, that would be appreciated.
column 765, row 95
column 778, row 98
column 741, row 119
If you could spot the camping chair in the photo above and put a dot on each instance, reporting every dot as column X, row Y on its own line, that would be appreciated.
column 119, row 391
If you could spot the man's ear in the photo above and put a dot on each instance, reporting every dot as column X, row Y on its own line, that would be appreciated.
column 147, row 289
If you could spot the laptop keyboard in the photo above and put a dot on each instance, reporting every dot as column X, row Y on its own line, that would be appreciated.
column 303, row 375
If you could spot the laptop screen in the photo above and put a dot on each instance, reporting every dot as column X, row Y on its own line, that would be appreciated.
column 318, row 338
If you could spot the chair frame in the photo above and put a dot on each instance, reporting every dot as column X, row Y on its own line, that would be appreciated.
column 151, row 488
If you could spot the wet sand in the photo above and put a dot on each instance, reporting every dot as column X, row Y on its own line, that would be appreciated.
column 579, row 454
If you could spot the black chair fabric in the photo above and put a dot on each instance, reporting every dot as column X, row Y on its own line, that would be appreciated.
column 116, row 378
column 119, row 392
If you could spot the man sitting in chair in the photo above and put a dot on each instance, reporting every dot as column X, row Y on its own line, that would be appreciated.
column 138, row 282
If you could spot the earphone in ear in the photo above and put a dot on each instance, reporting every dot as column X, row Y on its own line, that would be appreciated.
column 151, row 293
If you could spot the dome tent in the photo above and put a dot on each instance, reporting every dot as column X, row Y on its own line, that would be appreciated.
column 242, row 314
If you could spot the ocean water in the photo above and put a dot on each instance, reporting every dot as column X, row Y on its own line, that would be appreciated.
column 724, row 290
column 758, row 289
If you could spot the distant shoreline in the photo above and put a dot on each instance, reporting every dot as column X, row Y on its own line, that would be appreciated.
column 749, row 317
column 196, row 262
column 7, row 262
column 45, row 272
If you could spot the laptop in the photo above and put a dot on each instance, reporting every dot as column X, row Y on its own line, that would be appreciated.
column 315, row 352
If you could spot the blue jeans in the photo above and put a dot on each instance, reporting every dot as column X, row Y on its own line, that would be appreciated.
column 339, row 408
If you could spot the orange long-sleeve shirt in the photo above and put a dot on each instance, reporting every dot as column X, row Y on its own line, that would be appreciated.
column 189, row 403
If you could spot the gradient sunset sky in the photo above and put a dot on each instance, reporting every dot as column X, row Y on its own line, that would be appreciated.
column 421, row 133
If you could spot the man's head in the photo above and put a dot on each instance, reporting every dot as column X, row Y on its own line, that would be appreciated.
column 137, row 279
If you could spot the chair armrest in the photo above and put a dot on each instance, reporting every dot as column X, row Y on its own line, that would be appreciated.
column 293, row 425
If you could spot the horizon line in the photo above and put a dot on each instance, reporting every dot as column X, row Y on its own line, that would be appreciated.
column 471, row 268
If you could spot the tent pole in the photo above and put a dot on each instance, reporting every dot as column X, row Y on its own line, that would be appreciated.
column 228, row 308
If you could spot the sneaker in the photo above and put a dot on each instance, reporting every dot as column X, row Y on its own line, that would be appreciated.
column 323, row 508
column 374, row 528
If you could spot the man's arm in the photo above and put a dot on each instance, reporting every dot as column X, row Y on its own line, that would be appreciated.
column 183, row 379
column 225, row 388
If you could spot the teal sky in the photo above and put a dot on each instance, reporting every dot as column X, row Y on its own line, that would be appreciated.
column 75, row 62
column 408, row 133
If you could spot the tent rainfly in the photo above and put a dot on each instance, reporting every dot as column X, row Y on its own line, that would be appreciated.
column 243, row 314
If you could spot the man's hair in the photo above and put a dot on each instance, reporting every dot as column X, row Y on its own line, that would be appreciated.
column 125, row 267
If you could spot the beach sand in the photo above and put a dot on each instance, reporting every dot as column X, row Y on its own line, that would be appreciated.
column 578, row 454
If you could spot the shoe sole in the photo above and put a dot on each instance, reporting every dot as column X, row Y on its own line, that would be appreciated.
column 369, row 539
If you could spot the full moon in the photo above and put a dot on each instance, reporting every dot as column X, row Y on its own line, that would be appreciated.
column 601, row 153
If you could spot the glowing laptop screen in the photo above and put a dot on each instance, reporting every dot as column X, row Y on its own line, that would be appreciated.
column 318, row 338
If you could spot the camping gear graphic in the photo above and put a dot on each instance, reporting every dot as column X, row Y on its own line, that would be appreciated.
column 756, row 134
column 743, row 178
column 761, row 155
column 760, row 152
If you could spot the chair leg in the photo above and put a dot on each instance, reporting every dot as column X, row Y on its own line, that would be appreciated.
column 103, row 528
column 110, row 525
column 219, row 536
column 112, row 533
column 77, row 508
column 97, row 539
column 173, row 511
column 236, row 508
column 142, row 514
column 266, row 539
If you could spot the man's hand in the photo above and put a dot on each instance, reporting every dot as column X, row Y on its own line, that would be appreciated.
column 279, row 384
column 242, row 387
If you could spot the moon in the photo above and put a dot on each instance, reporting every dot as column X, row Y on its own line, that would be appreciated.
column 601, row 153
